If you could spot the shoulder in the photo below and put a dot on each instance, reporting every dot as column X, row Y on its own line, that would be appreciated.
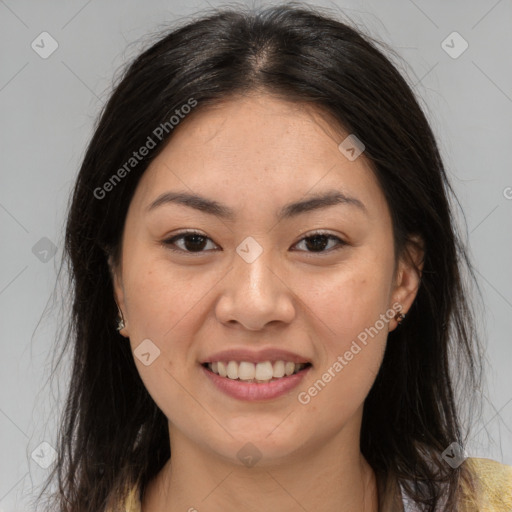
column 490, row 486
column 491, row 482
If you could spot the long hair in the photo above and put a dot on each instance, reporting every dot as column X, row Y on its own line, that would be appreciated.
column 112, row 434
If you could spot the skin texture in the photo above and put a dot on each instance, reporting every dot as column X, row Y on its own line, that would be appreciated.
column 256, row 154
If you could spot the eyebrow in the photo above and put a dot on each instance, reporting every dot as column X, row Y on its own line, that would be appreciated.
column 209, row 206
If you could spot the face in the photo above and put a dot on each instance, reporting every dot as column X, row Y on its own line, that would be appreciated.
column 320, row 283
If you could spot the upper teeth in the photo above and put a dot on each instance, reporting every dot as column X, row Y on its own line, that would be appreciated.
column 263, row 371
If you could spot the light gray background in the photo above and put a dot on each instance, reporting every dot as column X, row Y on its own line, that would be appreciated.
column 48, row 107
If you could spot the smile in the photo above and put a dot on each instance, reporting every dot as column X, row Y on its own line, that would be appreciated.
column 261, row 372
column 255, row 381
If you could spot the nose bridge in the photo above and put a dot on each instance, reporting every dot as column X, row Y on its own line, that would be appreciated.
column 252, row 267
column 254, row 295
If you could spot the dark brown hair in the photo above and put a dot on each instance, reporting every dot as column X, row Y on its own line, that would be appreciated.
column 112, row 433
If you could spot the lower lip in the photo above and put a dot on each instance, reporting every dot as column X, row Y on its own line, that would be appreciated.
column 252, row 391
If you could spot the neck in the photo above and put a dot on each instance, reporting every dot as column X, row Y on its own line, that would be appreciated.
column 331, row 477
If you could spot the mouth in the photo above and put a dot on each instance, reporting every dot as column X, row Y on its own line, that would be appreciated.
column 261, row 372
column 255, row 381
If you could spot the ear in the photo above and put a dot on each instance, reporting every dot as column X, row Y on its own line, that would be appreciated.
column 119, row 297
column 408, row 276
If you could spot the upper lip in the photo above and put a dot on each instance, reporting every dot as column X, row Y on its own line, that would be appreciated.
column 253, row 356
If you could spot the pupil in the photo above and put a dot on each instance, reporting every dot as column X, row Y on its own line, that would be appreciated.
column 316, row 244
column 196, row 244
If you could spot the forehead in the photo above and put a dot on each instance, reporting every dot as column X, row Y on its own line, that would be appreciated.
column 259, row 129
column 258, row 148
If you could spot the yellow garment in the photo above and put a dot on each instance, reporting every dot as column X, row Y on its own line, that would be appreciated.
column 493, row 485
column 493, row 482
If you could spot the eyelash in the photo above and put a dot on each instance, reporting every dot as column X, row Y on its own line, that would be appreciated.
column 169, row 243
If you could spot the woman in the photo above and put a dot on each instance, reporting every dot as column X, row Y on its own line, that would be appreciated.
column 264, row 209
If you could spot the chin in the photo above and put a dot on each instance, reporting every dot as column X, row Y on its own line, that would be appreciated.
column 257, row 447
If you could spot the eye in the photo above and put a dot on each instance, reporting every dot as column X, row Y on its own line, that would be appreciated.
column 319, row 241
column 195, row 242
column 192, row 242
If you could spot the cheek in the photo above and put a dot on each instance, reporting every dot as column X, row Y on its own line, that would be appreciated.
column 160, row 306
column 352, row 315
column 149, row 301
column 156, row 296
column 350, row 298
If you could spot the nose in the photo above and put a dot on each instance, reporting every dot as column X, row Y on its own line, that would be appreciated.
column 254, row 295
